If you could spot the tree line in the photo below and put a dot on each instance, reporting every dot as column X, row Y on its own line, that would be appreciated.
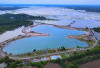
column 97, row 29
column 12, row 21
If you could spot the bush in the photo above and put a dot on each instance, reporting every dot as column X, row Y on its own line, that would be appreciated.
column 13, row 65
column 85, row 60
column 77, row 56
column 39, row 65
column 74, row 65
column 44, row 62
column 96, row 29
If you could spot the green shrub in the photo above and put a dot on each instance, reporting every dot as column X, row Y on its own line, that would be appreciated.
column 74, row 65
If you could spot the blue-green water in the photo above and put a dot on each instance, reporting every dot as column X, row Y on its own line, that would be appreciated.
column 55, row 40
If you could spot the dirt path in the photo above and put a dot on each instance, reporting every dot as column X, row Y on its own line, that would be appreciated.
column 92, row 64
column 52, row 65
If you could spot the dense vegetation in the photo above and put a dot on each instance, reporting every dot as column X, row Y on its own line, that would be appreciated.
column 74, row 60
column 12, row 21
column 11, row 63
column 79, row 58
column 97, row 29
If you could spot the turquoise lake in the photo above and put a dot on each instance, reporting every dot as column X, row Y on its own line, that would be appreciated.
column 57, row 39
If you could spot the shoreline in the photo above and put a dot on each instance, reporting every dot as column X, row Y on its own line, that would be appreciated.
column 29, row 34
column 33, row 33
column 79, row 36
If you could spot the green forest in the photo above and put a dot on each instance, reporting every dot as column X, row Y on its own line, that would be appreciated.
column 9, row 8
column 12, row 21
column 97, row 29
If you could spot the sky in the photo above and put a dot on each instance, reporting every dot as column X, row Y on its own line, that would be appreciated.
column 81, row 2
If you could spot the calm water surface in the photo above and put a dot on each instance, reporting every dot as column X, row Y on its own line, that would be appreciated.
column 55, row 40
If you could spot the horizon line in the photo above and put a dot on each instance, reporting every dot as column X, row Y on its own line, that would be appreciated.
column 52, row 4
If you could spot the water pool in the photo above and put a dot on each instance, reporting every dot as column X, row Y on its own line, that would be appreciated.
column 55, row 40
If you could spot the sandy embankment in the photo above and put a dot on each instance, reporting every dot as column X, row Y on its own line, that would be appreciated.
column 65, row 27
column 79, row 36
column 33, row 33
